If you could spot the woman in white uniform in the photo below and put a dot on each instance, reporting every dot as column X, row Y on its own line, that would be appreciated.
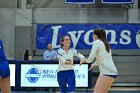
column 101, row 50
column 66, row 73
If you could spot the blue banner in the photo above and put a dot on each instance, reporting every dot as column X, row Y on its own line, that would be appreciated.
column 117, row 1
column 120, row 36
column 79, row 1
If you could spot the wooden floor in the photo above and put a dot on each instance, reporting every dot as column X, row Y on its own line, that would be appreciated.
column 112, row 90
column 75, row 92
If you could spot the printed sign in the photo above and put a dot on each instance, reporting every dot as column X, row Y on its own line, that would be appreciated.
column 45, row 75
column 119, row 36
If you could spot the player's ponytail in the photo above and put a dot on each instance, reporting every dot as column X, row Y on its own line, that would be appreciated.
column 104, row 39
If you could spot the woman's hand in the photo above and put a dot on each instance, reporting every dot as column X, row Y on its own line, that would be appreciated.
column 92, row 66
column 82, row 61
column 69, row 63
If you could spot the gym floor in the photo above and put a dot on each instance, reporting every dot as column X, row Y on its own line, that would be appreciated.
column 112, row 90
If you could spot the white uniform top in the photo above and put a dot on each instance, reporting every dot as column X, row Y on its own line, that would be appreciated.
column 104, row 59
column 63, row 57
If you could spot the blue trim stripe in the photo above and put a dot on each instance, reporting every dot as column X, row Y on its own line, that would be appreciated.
column 58, row 53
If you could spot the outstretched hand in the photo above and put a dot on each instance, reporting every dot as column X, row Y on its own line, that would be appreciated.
column 82, row 61
column 92, row 66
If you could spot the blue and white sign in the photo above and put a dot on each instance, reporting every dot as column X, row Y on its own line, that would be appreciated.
column 120, row 36
column 117, row 1
column 138, row 38
column 33, row 75
column 45, row 75
column 79, row 1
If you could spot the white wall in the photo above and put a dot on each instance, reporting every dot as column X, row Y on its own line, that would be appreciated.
column 80, row 15
column 8, row 3
column 77, row 15
column 7, row 28
column 134, row 16
column 23, row 17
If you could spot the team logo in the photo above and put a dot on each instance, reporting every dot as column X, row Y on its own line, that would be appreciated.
column 33, row 75
column 138, row 38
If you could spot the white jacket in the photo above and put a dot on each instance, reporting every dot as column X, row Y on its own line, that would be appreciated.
column 103, row 58
column 63, row 57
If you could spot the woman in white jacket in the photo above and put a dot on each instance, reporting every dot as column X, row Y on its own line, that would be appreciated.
column 101, row 50
column 66, row 73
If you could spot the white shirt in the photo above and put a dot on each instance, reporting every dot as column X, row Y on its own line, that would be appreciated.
column 63, row 57
column 104, row 59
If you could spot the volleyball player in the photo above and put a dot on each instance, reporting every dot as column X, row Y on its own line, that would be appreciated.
column 4, row 71
column 101, row 50
column 66, row 73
